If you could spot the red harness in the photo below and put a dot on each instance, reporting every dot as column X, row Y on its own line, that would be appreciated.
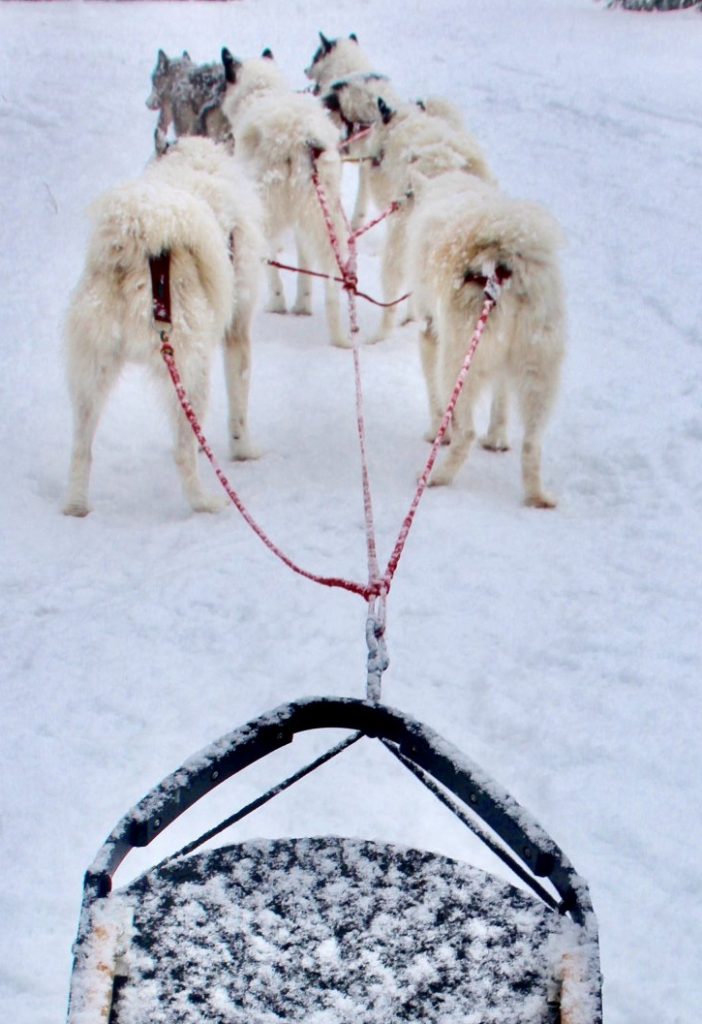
column 160, row 267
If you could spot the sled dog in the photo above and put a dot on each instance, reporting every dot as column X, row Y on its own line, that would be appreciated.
column 339, row 60
column 188, row 96
column 191, row 204
column 277, row 133
column 462, row 229
column 408, row 146
column 333, row 60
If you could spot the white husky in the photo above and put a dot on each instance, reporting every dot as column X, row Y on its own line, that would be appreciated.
column 461, row 230
column 409, row 146
column 192, row 205
column 277, row 132
column 334, row 60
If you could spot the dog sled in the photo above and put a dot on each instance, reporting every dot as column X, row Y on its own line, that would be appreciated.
column 329, row 930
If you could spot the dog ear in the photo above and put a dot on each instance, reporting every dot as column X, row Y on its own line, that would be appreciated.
column 326, row 43
column 354, row 37
column 231, row 65
column 268, row 54
column 186, row 55
column 385, row 112
column 161, row 61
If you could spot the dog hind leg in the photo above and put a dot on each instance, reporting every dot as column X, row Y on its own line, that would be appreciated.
column 91, row 379
column 462, row 423
column 194, row 376
column 360, row 210
column 428, row 350
column 462, row 438
column 303, row 296
column 320, row 244
column 535, row 399
column 496, row 439
column 237, row 368
column 276, row 292
column 393, row 272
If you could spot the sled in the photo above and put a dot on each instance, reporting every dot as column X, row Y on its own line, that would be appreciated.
column 328, row 930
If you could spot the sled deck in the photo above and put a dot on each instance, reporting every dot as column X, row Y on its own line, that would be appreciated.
column 327, row 930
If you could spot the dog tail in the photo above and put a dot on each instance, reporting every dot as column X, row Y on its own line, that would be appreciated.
column 141, row 219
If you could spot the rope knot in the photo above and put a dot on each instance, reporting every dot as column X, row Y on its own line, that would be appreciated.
column 350, row 281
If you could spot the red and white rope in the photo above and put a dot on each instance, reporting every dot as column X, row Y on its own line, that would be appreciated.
column 375, row 591
column 328, row 581
column 488, row 305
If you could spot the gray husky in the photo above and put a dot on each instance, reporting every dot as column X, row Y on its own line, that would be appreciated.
column 188, row 96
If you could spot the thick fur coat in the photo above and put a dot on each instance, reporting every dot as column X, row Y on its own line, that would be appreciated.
column 336, row 60
column 190, row 204
column 277, row 132
column 462, row 229
column 409, row 146
column 187, row 96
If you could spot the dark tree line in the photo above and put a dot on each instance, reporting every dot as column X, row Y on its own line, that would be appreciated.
column 655, row 5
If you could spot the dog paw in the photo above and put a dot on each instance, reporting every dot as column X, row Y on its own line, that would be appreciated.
column 211, row 503
column 540, row 501
column 243, row 451
column 76, row 508
column 276, row 306
column 494, row 444
column 301, row 310
column 430, row 436
column 442, row 475
column 341, row 341
column 380, row 335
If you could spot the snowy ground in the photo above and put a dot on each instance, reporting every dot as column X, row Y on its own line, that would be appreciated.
column 560, row 650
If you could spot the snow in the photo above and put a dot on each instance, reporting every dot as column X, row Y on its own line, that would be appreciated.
column 336, row 931
column 559, row 650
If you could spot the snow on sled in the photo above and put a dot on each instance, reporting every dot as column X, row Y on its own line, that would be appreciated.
column 329, row 930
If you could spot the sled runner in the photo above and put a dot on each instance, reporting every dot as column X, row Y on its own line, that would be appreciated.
column 327, row 930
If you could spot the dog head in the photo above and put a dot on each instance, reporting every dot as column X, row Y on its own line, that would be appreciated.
column 244, row 77
column 356, row 100
column 335, row 58
column 166, row 73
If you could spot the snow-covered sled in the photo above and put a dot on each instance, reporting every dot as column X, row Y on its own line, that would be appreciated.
column 329, row 930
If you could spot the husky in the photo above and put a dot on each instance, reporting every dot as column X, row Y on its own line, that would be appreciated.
column 278, row 132
column 188, row 96
column 341, row 59
column 408, row 146
column 461, row 230
column 335, row 59
column 192, row 204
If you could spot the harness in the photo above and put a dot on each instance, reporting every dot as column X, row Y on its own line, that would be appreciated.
column 502, row 273
column 160, row 267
